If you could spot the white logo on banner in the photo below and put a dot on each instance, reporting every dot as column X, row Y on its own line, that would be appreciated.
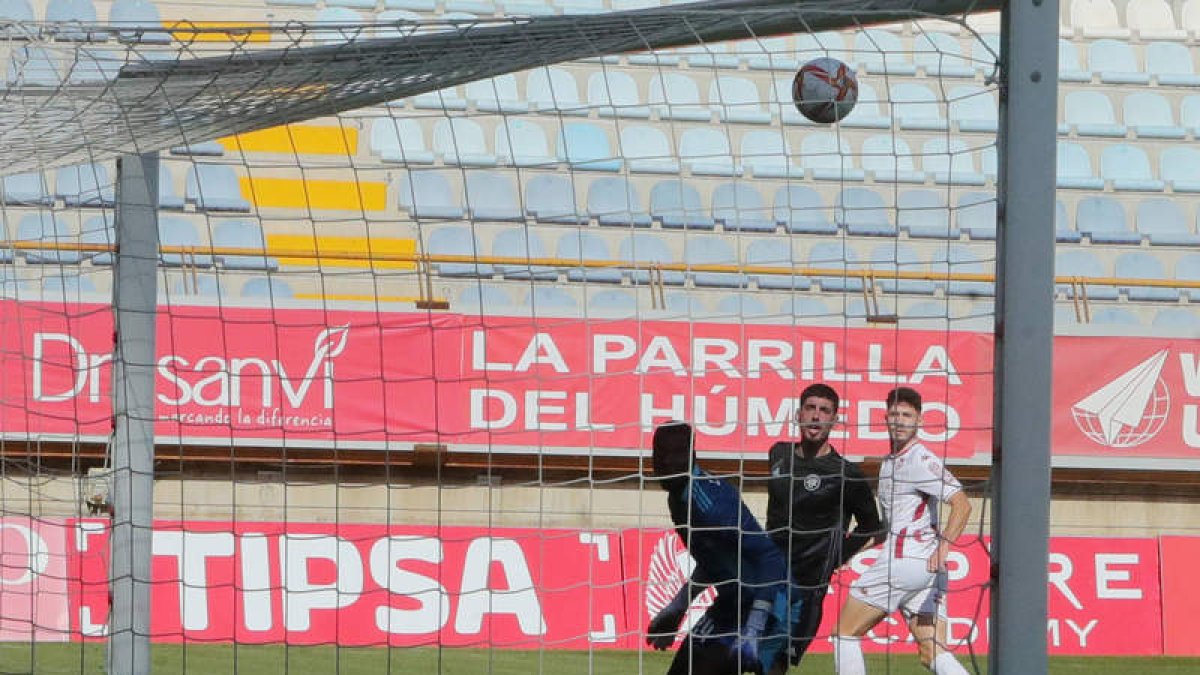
column 1128, row 411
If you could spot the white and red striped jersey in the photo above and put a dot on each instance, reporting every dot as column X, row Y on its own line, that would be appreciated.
column 911, row 484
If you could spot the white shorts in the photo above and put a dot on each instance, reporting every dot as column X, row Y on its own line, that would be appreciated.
column 904, row 584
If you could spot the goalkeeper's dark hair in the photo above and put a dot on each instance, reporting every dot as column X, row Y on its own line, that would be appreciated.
column 821, row 390
column 904, row 395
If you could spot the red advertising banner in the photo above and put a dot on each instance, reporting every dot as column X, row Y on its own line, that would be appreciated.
column 33, row 580
column 1180, row 595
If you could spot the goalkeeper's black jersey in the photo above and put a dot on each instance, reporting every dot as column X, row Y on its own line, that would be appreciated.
column 810, row 506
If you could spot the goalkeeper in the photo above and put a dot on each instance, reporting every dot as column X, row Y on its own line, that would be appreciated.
column 746, row 626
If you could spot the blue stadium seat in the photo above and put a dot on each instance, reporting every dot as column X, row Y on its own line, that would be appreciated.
column 484, row 297
column 615, row 201
column 974, row 109
column 497, row 94
column 1091, row 113
column 708, row 55
column 989, row 161
column 522, row 243
column 1096, row 18
column 740, row 207
column 492, row 195
column 446, row 98
column 1143, row 265
column 801, row 307
column 740, row 304
column 1114, row 316
column 1187, row 268
column 66, row 287
column 78, row 12
column 16, row 11
column 890, row 160
column 1162, row 220
column 677, row 205
column 675, row 96
column 801, row 210
column 26, row 189
column 924, row 215
column 241, row 233
column 950, row 161
column 578, row 7
column 940, row 54
column 586, row 247
column 766, row 53
column 829, row 157
column 976, row 214
column 825, row 43
column 1179, row 165
column 399, row 139
column 1171, row 64
column 551, row 89
column 772, row 252
column 1069, row 69
column 1128, row 168
column 37, row 67
column 612, row 300
column 836, row 255
column 202, row 149
column 181, row 232
column 204, row 285
column 101, row 66
column 459, row 140
column 460, row 241
column 95, row 230
column 168, row 198
column 1075, row 168
column 550, row 198
column 44, row 226
column 916, row 107
column 1102, row 219
column 428, row 195
column 706, row 152
column 271, row 288
column 712, row 250
column 985, row 52
column 1116, row 62
column 866, row 113
column 863, row 212
column 522, row 142
column 141, row 20
column 214, row 187
column 339, row 25
column 767, row 154
column 84, row 185
column 1184, row 318
column 615, row 94
column 1078, row 262
column 781, row 103
column 550, row 297
column 881, row 52
column 1064, row 232
column 402, row 20
column 960, row 259
column 736, row 99
column 585, row 146
column 413, row 5
column 647, row 149
column 1152, row 19
column 645, row 250
column 899, row 257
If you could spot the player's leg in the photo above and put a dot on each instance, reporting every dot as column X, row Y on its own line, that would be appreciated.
column 929, row 630
column 702, row 658
column 857, row 617
column 804, row 631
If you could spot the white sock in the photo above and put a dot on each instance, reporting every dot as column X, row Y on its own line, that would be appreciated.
column 847, row 656
column 946, row 664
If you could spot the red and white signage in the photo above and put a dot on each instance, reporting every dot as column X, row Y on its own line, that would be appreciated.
column 33, row 580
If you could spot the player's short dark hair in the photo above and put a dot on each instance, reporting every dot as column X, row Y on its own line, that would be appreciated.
column 821, row 390
column 904, row 395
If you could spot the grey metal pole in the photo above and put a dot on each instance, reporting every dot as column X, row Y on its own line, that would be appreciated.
column 135, row 300
column 1024, row 337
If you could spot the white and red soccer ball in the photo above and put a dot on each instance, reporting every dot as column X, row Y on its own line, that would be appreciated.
column 825, row 90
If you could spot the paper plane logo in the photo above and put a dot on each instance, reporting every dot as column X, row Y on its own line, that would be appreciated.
column 1128, row 411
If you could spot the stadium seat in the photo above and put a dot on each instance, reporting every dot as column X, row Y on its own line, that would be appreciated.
column 550, row 198
column 889, row 159
column 736, row 99
column 1114, row 316
column 271, row 288
column 1177, row 318
column 917, row 107
column 95, row 230
column 1180, row 166
column 168, row 198
column 985, row 53
column 705, row 151
column 926, row 311
column 960, row 259
column 522, row 243
column 989, row 162
column 26, row 189
column 801, row 210
column 522, row 142
column 549, row 297
column 492, row 195
column 1170, row 64
column 675, row 96
column 428, row 195
column 647, row 149
column 214, row 187
column 740, row 207
column 1077, row 262
column 899, row 257
column 801, row 307
column 554, row 90
column 1102, row 219
column 585, row 146
column 866, row 113
column 712, row 250
column 78, row 12
column 772, row 252
column 578, row 7
column 741, row 304
column 814, row 45
column 497, row 94
column 399, row 139
column 775, row 53
column 175, row 231
column 974, row 109
column 458, row 140
column 612, row 300
column 397, row 18
column 1069, row 69
column 614, row 93
column 1128, row 168
column 879, row 51
column 940, row 54
column 586, row 247
column 708, row 55
column 1162, row 220
column 84, row 185
column 66, row 287
column 863, row 212
column 202, row 149
column 924, row 215
column 46, row 227
column 1152, row 19
column 446, row 98
column 16, row 11
column 1150, row 116
column 950, row 162
column 1187, row 268
column 1096, row 18
column 767, row 154
column 1115, row 62
column 241, row 233
column 976, row 214
column 483, row 297
column 836, row 255
column 459, row 241
column 1064, row 232
column 676, row 204
column 141, row 20
column 195, row 285
column 1189, row 18
column 646, row 250
column 615, row 201
column 1189, row 113
column 1141, row 265
column 101, row 66
column 36, row 67
column 1091, row 113
column 829, row 157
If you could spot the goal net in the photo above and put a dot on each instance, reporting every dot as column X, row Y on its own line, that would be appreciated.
column 430, row 274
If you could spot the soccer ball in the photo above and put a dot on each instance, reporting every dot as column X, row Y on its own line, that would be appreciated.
column 825, row 90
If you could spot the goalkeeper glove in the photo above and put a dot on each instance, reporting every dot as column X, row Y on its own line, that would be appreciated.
column 660, row 634
column 746, row 648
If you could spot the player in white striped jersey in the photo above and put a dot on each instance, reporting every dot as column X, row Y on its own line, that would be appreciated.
column 910, row 573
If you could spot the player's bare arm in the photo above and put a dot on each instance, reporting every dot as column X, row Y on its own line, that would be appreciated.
column 956, row 522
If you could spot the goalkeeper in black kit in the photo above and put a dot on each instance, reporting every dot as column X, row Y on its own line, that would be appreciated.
column 813, row 494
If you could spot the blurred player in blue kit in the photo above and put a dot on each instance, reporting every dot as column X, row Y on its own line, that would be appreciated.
column 747, row 624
